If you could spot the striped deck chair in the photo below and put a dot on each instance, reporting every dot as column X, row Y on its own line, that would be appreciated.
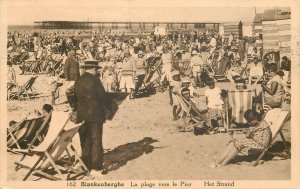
column 87, row 54
column 24, row 89
column 190, row 113
column 154, row 66
column 26, row 133
column 186, row 108
column 20, row 137
column 49, row 156
column 219, row 69
column 276, row 119
column 238, row 102
column 152, row 78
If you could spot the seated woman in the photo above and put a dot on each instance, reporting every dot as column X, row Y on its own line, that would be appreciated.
column 209, row 118
column 286, row 76
column 258, row 136
column 273, row 89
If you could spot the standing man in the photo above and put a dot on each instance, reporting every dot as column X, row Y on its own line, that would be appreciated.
column 213, row 44
column 71, row 72
column 196, row 63
column 11, row 76
column 128, row 73
column 167, row 60
column 91, row 108
column 140, row 70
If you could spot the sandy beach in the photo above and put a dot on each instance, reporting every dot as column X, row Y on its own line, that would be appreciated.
column 143, row 142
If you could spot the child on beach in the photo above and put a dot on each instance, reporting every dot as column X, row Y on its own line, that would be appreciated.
column 55, row 84
column 175, row 86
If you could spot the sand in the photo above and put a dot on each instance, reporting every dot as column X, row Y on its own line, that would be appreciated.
column 143, row 142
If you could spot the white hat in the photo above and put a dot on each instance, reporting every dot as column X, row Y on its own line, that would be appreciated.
column 194, row 52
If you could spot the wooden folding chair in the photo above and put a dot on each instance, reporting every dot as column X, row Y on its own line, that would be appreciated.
column 189, row 111
column 48, row 156
column 24, row 90
column 219, row 70
column 154, row 65
column 238, row 101
column 186, row 108
column 26, row 132
column 276, row 119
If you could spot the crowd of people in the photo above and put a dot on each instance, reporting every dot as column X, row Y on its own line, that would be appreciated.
column 179, row 62
column 187, row 52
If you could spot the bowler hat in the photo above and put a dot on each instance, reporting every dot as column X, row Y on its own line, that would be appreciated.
column 91, row 63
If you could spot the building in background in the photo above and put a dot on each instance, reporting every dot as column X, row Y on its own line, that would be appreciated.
column 273, row 27
column 234, row 27
column 128, row 26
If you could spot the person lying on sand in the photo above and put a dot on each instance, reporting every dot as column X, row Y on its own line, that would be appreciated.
column 258, row 136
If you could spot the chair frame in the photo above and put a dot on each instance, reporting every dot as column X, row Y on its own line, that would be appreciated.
column 279, row 131
column 228, row 120
column 30, row 128
column 23, row 89
column 45, row 155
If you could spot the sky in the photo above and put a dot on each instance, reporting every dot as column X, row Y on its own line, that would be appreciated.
column 25, row 12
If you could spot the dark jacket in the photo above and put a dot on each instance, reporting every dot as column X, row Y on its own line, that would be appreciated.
column 90, row 98
column 71, row 70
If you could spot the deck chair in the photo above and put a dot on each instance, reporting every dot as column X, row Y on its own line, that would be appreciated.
column 219, row 69
column 27, row 133
column 24, row 89
column 154, row 67
column 238, row 101
column 186, row 108
column 19, row 138
column 49, row 155
column 190, row 114
column 87, row 54
column 276, row 119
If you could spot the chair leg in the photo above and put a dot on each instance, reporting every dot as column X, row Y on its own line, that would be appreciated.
column 55, row 166
column 261, row 156
column 15, row 140
column 285, row 144
column 33, row 168
column 78, row 157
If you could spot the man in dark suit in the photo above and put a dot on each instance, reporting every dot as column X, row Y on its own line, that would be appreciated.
column 91, row 108
column 71, row 72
